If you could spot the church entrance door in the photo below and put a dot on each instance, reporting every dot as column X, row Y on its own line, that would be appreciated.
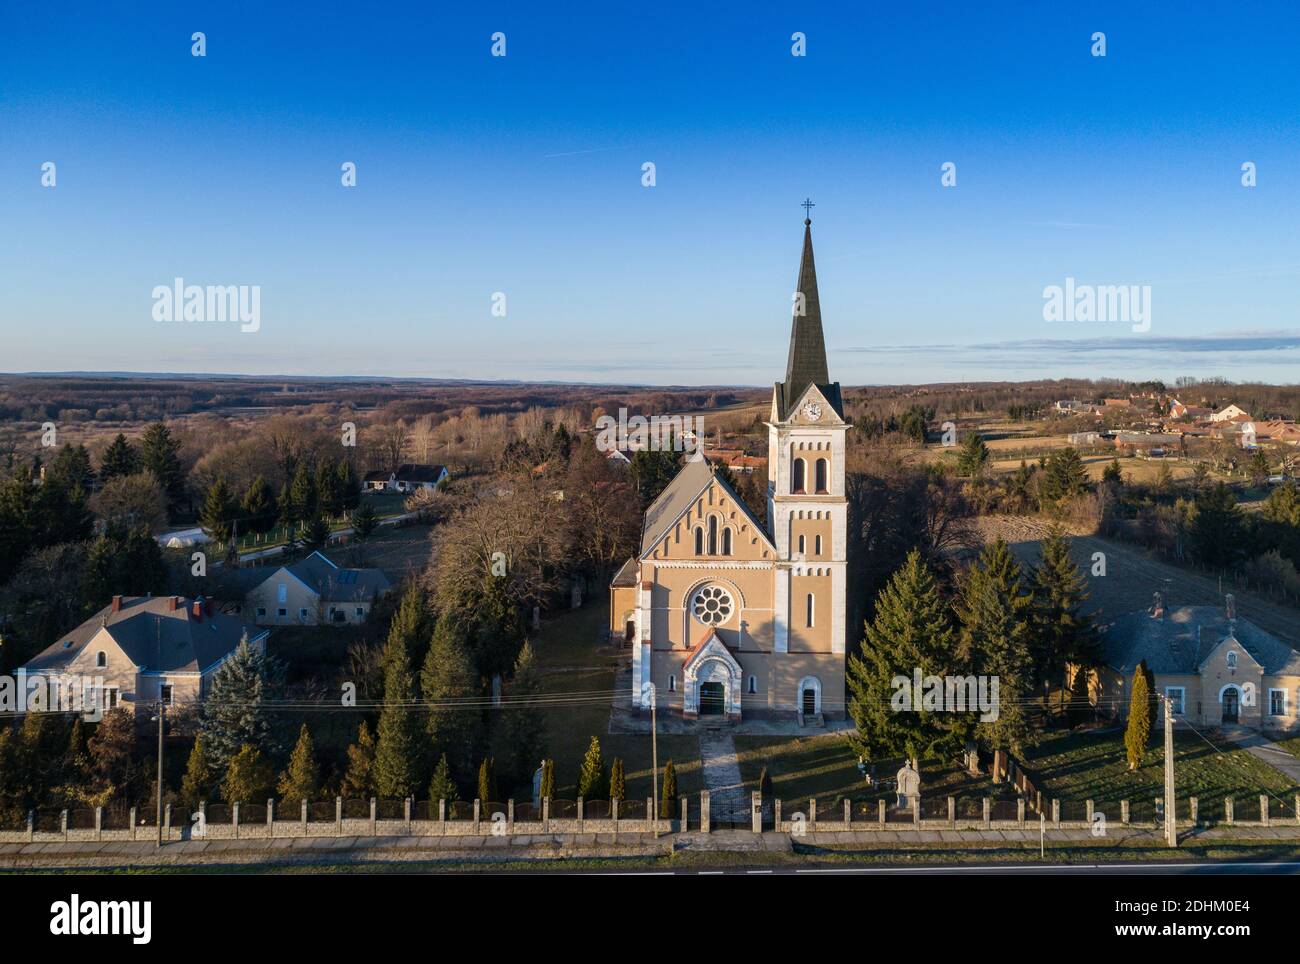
column 713, row 699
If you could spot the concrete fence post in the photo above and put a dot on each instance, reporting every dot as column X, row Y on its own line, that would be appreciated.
column 31, row 823
column 270, row 818
column 1020, row 811
column 1297, row 808
column 406, row 813
column 99, row 823
column 1123, row 812
column 988, row 812
column 706, row 818
column 234, row 817
column 63, row 823
column 132, row 819
column 304, row 816
column 1056, row 814
column 338, row 816
column 1088, row 811
column 952, row 812
column 510, row 815
column 652, row 818
column 442, row 816
column 546, row 814
column 1227, row 810
column 685, row 819
column 203, row 816
column 916, row 811
column 167, row 822
column 1263, row 809
column 374, row 817
column 756, row 812
column 880, row 812
column 812, row 813
column 776, row 814
column 478, row 804
column 1194, row 805
column 581, row 812
column 848, row 814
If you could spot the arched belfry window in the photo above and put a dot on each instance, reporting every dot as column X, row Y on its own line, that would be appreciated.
column 797, row 483
column 823, row 475
column 713, row 535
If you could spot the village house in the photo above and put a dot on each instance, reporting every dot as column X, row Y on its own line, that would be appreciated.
column 407, row 478
column 1218, row 670
column 1231, row 413
column 314, row 591
column 1149, row 444
column 1178, row 409
column 724, row 615
column 148, row 649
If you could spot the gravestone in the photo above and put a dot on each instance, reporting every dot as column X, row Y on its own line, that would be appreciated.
column 909, row 786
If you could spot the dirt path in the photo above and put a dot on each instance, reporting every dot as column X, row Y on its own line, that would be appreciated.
column 1132, row 576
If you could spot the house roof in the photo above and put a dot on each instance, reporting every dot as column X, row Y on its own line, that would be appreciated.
column 333, row 584
column 420, row 473
column 1181, row 640
column 627, row 573
column 378, row 475
column 156, row 633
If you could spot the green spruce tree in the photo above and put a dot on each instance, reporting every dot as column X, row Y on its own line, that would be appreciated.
column 591, row 778
column 1138, row 732
column 301, row 779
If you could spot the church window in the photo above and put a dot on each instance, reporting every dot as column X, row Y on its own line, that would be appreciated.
column 802, row 545
column 809, row 606
column 823, row 471
column 699, row 540
column 672, row 684
column 797, row 483
column 819, row 545
column 712, row 605
column 713, row 535
column 726, row 542
column 753, row 684
column 1232, row 660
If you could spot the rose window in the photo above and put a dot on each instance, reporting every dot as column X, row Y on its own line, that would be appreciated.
column 712, row 605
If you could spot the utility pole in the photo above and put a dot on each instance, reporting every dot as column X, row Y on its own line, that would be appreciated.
column 159, row 814
column 648, row 693
column 1171, row 815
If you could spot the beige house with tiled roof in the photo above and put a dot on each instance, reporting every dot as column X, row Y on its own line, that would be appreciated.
column 147, row 648
column 313, row 591
column 724, row 616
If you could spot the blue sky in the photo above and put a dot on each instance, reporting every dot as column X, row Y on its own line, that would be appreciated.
column 522, row 175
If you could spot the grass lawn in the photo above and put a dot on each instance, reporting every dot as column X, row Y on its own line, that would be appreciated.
column 1092, row 765
column 825, row 766
column 575, row 662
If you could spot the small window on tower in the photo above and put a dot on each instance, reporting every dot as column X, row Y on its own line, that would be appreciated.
column 801, row 545
column 726, row 542
column 809, row 607
column 818, row 544
column 797, row 481
column 823, row 474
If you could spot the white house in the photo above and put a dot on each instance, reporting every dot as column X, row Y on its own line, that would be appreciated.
column 407, row 478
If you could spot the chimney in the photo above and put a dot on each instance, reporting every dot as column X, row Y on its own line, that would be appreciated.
column 1157, row 606
column 197, row 609
column 1230, row 606
column 117, row 604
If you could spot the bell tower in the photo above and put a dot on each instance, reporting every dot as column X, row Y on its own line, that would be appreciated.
column 806, row 504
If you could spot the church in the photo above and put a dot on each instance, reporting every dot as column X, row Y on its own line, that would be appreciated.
column 727, row 617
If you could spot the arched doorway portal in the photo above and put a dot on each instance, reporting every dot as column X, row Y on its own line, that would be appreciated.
column 1231, row 701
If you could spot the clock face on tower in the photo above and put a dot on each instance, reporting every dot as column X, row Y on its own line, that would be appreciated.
column 812, row 411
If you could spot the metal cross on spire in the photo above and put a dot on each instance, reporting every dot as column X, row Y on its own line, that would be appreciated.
column 807, row 206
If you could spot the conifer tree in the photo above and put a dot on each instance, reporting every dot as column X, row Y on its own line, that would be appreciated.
column 1138, row 732
column 591, row 778
column 258, row 506
column 974, row 456
column 301, row 779
column 398, row 753
column 617, row 780
column 348, row 485
column 359, row 781
column 911, row 631
column 994, row 611
column 1062, row 632
column 218, row 511
column 547, row 788
column 668, row 798
column 446, row 680
column 160, row 454
column 443, row 787
column 487, row 783
column 248, row 777
column 197, row 784
column 119, row 459
column 232, row 713
column 523, row 724
column 329, row 501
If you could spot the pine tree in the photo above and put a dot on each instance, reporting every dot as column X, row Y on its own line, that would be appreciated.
column 232, row 713
column 591, row 778
column 911, row 631
column 523, row 724
column 668, row 799
column 1065, row 475
column 443, row 787
column 112, row 752
column 160, row 454
column 248, row 777
column 218, row 511
column 398, row 753
column 1217, row 528
column 1138, row 733
column 487, row 781
column 547, row 789
column 1062, row 632
column 302, row 494
column 1112, row 473
column 301, row 779
column 973, row 457
column 349, row 486
column 359, row 781
column 119, row 459
column 447, row 678
column 994, row 611
column 315, row 532
column 259, row 506
column 617, row 780
column 1080, row 701
column 329, row 501
column 196, row 785
column 364, row 520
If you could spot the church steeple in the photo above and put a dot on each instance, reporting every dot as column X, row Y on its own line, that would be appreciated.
column 806, row 364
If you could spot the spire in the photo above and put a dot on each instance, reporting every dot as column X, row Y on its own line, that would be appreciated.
column 807, row 362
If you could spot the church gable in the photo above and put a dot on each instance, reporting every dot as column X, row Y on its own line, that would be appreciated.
column 716, row 526
column 816, row 407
